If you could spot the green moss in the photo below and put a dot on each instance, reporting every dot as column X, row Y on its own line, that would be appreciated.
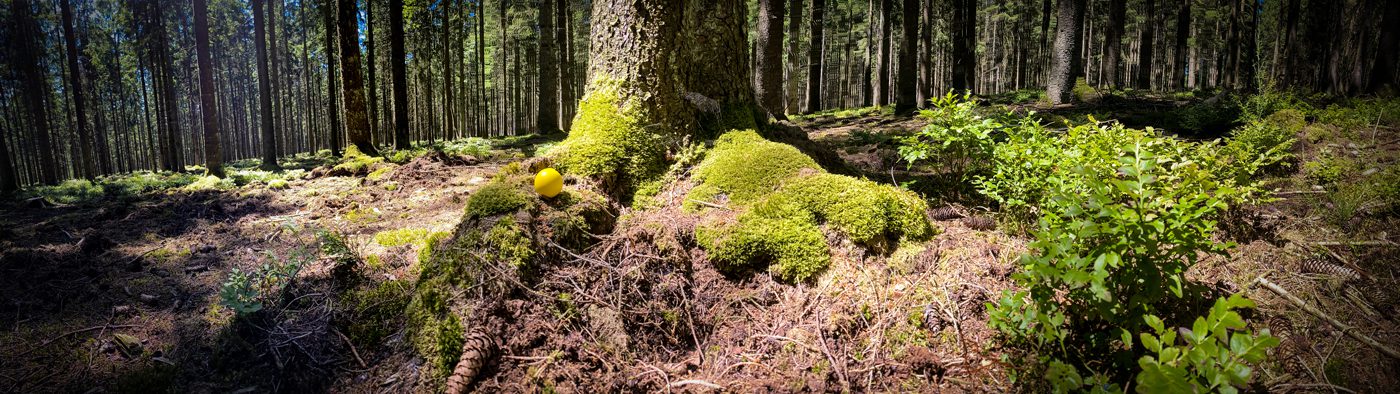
column 511, row 245
column 745, row 166
column 1083, row 92
column 609, row 139
column 400, row 237
column 436, row 331
column 1290, row 120
column 782, row 208
column 355, row 162
column 496, row 197
column 210, row 183
column 277, row 184
column 376, row 311
column 378, row 174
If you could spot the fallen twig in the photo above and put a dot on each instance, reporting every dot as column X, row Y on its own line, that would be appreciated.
column 1355, row 243
column 709, row 204
column 1350, row 331
column 697, row 382
column 352, row 348
column 66, row 334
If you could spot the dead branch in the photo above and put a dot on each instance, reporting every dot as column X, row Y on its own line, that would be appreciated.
column 352, row 348
column 66, row 334
column 698, row 382
column 709, row 204
column 1350, row 331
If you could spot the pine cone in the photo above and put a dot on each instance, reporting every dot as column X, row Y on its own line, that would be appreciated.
column 980, row 223
column 945, row 213
column 478, row 348
column 1319, row 265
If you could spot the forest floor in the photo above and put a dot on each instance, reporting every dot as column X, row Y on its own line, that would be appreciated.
column 118, row 286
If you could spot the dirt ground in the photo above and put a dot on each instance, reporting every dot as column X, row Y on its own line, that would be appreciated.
column 119, row 295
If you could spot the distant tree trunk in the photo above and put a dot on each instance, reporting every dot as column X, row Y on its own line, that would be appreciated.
column 1144, row 75
column 814, row 58
column 794, row 28
column 9, row 183
column 213, row 158
column 882, row 63
column 1113, row 41
column 174, row 148
column 547, row 121
column 274, row 18
column 352, row 83
column 449, row 114
column 398, row 74
column 964, row 37
column 1044, row 59
column 1183, row 33
column 269, row 139
column 907, row 82
column 768, row 84
column 1247, row 44
column 75, row 84
column 337, row 133
column 926, row 69
column 1388, row 50
column 480, row 64
column 1068, row 27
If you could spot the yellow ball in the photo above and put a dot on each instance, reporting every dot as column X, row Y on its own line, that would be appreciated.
column 549, row 183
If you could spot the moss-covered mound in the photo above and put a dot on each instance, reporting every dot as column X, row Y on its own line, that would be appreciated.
column 609, row 141
column 783, row 199
column 505, row 231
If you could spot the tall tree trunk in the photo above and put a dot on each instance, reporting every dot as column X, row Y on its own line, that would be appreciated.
column 1249, row 21
column 1388, row 50
column 9, row 183
column 269, row 139
column 351, row 82
column 1144, row 72
column 794, row 29
column 398, row 74
column 370, row 65
column 907, row 81
column 964, row 37
column 1183, row 33
column 562, row 19
column 75, row 84
column 213, row 158
column 1113, row 42
column 814, row 58
column 882, row 63
column 547, row 121
column 485, row 117
column 926, row 53
column 1067, row 30
column 174, row 147
column 713, row 61
column 768, row 84
column 449, row 114
column 337, row 133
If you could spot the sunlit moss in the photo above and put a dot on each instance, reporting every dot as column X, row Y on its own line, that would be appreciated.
column 609, row 140
column 495, row 198
column 745, row 166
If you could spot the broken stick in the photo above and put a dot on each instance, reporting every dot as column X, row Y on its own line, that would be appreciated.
column 1350, row 331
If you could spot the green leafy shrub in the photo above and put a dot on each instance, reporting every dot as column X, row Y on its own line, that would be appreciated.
column 1270, row 101
column 957, row 136
column 247, row 291
column 1214, row 355
column 1263, row 142
column 1329, row 168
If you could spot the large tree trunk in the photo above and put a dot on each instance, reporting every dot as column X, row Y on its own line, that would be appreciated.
column 882, row 62
column 713, row 64
column 75, row 84
column 351, row 82
column 1113, row 40
column 1183, row 33
column 768, row 84
column 907, row 81
column 213, row 158
column 926, row 69
column 562, row 19
column 547, row 121
column 1144, row 72
column 1067, row 29
column 814, row 59
column 337, row 133
column 269, row 138
column 370, row 65
column 1247, row 42
column 964, row 39
column 398, row 74
column 8, row 181
column 1383, row 73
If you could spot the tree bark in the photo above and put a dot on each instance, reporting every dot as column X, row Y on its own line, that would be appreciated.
column 1113, row 42
column 794, row 28
column 75, row 84
column 351, row 82
column 1067, row 30
column 907, row 82
column 337, row 133
column 398, row 75
column 964, row 37
column 566, row 76
column 768, row 84
column 882, row 62
column 213, row 158
column 1183, row 33
column 1144, row 72
column 714, row 61
column 547, row 121
column 1386, row 62
column 814, row 58
column 269, row 138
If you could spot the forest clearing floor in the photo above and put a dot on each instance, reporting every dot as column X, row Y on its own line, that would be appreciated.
column 123, row 293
